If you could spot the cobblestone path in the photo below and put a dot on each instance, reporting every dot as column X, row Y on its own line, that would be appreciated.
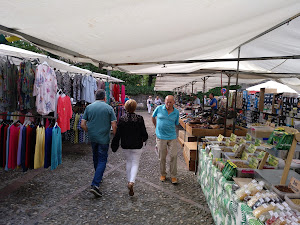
column 61, row 196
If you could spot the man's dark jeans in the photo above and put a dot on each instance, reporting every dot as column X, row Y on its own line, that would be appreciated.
column 100, row 153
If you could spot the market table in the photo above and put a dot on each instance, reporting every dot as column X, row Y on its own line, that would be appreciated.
column 225, row 207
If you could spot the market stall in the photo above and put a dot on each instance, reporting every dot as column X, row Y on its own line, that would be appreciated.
column 227, row 164
column 42, row 105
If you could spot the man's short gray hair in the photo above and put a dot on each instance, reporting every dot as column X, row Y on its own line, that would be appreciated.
column 100, row 94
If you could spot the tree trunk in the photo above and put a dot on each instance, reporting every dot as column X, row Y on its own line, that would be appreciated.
column 150, row 80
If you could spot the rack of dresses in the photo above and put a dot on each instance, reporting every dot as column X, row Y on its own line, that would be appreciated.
column 30, row 145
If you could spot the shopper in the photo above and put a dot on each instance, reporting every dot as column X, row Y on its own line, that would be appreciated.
column 196, row 100
column 149, row 104
column 97, row 120
column 164, row 118
column 157, row 101
column 132, row 132
column 126, row 98
column 213, row 103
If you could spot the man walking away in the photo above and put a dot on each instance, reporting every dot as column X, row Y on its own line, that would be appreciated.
column 164, row 118
column 97, row 120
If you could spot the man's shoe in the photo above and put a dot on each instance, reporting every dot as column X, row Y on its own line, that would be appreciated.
column 95, row 191
column 130, row 188
column 162, row 178
column 174, row 180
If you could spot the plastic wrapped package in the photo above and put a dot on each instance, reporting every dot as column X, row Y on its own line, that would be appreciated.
column 263, row 209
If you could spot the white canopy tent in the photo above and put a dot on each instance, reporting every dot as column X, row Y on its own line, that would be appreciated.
column 113, row 32
column 20, row 54
column 281, row 88
column 168, row 82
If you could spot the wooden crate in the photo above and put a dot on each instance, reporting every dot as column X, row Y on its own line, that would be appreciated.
column 181, row 142
column 182, row 123
column 186, row 136
column 190, row 150
column 189, row 163
column 198, row 132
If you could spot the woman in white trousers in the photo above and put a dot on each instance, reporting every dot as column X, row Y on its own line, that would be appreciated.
column 149, row 104
column 132, row 132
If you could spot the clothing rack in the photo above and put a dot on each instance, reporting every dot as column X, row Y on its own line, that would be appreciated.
column 36, row 116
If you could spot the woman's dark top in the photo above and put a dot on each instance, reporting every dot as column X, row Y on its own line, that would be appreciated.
column 132, row 132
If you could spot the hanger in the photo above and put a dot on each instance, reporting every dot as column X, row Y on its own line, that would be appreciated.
column 45, row 63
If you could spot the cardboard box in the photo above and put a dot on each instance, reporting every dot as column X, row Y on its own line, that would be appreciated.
column 190, row 150
column 191, row 164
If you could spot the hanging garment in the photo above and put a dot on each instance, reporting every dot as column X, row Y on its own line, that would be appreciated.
column 67, row 84
column 77, row 87
column 29, row 130
column 89, row 86
column 32, row 147
column 7, row 147
column 39, row 154
column 123, row 94
column 12, row 77
column 64, row 111
column 20, row 145
column 48, row 144
column 71, row 132
column 21, row 96
column 75, row 128
column 80, row 130
column 107, row 90
column 116, row 92
column 59, row 78
column 27, row 85
column 4, row 145
column 13, row 146
column 45, row 87
column 56, row 151
column 1, row 145
column 23, row 148
column 2, row 108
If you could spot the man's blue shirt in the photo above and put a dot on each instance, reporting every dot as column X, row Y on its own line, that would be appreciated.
column 214, row 101
column 165, row 123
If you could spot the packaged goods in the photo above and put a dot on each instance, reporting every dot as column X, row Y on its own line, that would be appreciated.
column 235, row 147
column 253, row 162
column 263, row 209
column 257, row 142
column 229, row 170
column 250, row 189
column 242, row 141
column 239, row 151
column 272, row 161
column 251, row 148
column 233, row 137
column 261, row 155
column 244, row 156
column 248, row 137
column 220, row 138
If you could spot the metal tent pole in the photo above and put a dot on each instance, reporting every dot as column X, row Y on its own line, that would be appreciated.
column 237, row 80
column 226, row 110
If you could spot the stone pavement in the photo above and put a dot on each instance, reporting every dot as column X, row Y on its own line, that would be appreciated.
column 61, row 196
